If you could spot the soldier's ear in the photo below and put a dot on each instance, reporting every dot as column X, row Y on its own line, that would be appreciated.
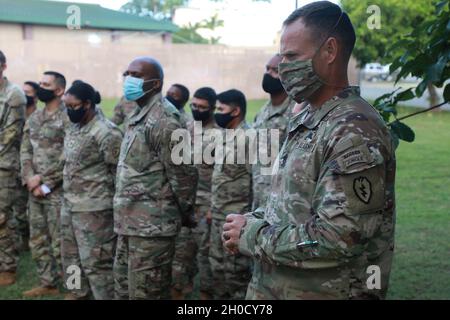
column 236, row 112
column 4, row 66
column 59, row 92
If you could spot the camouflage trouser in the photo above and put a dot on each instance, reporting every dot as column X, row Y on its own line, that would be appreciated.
column 231, row 273
column 45, row 238
column 184, row 266
column 204, row 267
column 191, row 255
column 143, row 267
column 21, row 215
column 89, row 242
column 8, row 252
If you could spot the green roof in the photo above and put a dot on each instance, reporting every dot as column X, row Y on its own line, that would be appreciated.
column 54, row 13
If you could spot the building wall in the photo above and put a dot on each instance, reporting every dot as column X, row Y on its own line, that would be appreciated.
column 102, row 63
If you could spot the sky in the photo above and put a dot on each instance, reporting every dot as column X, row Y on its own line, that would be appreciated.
column 246, row 22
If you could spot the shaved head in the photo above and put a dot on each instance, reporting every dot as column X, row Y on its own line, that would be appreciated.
column 149, row 70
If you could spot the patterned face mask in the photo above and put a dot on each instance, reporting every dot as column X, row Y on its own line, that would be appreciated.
column 299, row 79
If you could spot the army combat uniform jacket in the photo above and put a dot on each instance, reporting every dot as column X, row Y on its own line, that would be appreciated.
column 329, row 220
column 269, row 118
column 152, row 192
column 91, row 154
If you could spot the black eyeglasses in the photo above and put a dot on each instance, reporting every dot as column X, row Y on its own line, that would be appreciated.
column 195, row 106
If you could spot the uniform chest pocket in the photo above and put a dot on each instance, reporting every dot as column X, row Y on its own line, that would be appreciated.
column 138, row 153
column 300, row 161
column 54, row 132
column 89, row 150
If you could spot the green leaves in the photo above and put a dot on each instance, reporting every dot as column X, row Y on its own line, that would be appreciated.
column 404, row 96
column 424, row 53
column 447, row 92
column 402, row 131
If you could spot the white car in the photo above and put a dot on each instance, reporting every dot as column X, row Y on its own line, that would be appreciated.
column 375, row 72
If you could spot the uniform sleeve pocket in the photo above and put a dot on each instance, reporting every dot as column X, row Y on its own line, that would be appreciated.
column 360, row 175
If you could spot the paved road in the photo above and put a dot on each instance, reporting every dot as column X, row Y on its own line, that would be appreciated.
column 372, row 90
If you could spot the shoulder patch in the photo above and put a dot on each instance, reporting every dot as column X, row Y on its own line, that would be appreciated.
column 363, row 189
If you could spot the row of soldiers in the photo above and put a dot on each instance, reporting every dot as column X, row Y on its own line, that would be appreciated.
column 323, row 229
column 69, row 154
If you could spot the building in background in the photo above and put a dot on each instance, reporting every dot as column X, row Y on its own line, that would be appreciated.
column 35, row 20
column 35, row 37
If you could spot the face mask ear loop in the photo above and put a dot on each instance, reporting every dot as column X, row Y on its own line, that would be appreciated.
column 323, row 42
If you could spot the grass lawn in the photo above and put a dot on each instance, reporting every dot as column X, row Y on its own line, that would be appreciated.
column 421, row 267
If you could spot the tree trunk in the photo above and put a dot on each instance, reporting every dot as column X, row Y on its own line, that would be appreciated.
column 434, row 98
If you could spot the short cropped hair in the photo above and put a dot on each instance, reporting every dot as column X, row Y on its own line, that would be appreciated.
column 326, row 19
column 234, row 98
column 60, row 80
column 208, row 94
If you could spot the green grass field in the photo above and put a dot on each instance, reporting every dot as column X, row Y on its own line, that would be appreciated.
column 422, row 256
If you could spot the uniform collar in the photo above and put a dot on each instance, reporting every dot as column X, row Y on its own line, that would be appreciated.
column 279, row 110
column 311, row 118
column 4, row 83
column 91, row 123
column 141, row 113
column 54, row 115
column 242, row 125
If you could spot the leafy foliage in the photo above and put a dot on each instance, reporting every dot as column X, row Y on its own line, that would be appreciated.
column 397, row 18
column 425, row 53
column 190, row 33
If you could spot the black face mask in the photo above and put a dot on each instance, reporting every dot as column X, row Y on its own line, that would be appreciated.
column 271, row 85
column 223, row 119
column 45, row 95
column 30, row 101
column 201, row 115
column 176, row 103
column 76, row 115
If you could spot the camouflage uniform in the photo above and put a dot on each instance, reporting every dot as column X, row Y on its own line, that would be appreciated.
column 41, row 154
column 12, row 119
column 22, row 225
column 331, row 211
column 122, row 111
column 231, row 193
column 192, row 245
column 152, row 196
column 186, row 117
column 21, row 222
column 268, row 118
column 88, row 239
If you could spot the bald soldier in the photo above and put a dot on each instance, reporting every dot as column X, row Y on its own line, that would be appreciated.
column 153, row 195
column 328, row 225
column 12, row 119
column 274, row 115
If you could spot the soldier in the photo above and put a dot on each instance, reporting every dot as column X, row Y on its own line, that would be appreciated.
column 331, row 212
column 30, row 89
column 12, row 119
column 273, row 115
column 122, row 111
column 178, row 95
column 91, row 152
column 192, row 245
column 42, row 169
column 231, row 193
column 153, row 194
